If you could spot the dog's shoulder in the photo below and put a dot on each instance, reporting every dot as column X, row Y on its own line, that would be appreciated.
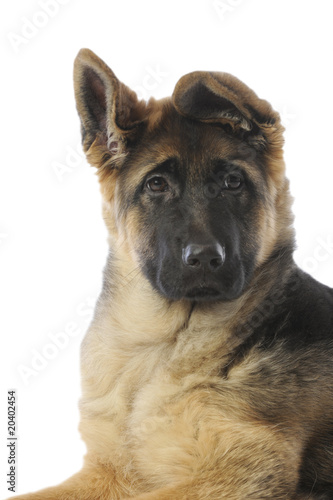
column 310, row 309
column 302, row 317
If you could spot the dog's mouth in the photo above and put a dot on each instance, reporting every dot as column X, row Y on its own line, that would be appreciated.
column 197, row 286
column 202, row 293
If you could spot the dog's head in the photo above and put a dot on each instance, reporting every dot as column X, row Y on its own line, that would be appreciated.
column 193, row 185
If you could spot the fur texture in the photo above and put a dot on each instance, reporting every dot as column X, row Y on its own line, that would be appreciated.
column 199, row 384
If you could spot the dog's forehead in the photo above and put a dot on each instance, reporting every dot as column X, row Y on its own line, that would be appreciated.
column 196, row 145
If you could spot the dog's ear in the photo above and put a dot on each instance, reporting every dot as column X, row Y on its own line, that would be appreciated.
column 109, row 111
column 222, row 98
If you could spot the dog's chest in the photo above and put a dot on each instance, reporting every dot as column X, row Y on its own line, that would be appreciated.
column 160, row 405
column 174, row 409
column 165, row 424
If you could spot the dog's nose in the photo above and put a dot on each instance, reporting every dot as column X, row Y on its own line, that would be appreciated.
column 209, row 256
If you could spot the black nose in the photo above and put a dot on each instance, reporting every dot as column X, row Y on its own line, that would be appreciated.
column 209, row 256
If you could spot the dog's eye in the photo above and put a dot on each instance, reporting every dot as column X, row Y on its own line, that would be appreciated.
column 233, row 181
column 157, row 184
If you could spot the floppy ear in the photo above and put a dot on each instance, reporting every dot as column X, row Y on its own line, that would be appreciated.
column 109, row 111
column 222, row 98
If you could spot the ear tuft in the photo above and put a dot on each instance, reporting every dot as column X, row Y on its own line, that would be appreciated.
column 223, row 99
column 200, row 102
column 109, row 111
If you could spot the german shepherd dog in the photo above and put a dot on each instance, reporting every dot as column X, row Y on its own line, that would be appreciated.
column 207, row 371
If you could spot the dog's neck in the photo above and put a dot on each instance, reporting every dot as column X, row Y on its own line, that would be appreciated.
column 133, row 313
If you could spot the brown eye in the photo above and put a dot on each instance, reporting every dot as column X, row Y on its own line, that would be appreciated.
column 233, row 181
column 157, row 184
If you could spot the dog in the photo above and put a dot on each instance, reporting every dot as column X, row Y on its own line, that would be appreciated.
column 207, row 371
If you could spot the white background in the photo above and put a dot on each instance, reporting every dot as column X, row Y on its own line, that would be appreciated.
column 52, row 239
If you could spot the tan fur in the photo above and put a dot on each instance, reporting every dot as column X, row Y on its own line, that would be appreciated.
column 158, row 418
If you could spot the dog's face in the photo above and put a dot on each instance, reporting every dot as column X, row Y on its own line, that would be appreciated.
column 192, row 184
column 193, row 199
